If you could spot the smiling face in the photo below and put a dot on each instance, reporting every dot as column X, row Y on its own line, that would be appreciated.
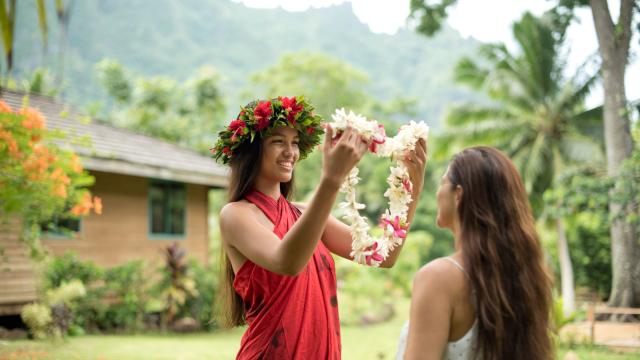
column 447, row 199
column 280, row 152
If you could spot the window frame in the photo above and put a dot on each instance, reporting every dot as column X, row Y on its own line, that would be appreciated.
column 61, row 235
column 167, row 221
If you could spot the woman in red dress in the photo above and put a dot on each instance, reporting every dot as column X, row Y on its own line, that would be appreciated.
column 279, row 275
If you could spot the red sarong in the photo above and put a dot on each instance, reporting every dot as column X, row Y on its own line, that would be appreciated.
column 289, row 317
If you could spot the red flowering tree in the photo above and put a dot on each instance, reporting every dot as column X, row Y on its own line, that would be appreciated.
column 38, row 180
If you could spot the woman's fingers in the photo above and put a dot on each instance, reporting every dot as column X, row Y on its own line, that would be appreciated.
column 345, row 135
column 362, row 145
column 421, row 149
column 328, row 138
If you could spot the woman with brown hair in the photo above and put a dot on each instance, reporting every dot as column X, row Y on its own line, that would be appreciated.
column 279, row 276
column 491, row 299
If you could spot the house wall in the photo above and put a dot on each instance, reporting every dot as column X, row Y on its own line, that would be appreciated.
column 18, row 283
column 122, row 234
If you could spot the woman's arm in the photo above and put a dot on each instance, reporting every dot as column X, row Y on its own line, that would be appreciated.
column 242, row 232
column 430, row 315
column 337, row 235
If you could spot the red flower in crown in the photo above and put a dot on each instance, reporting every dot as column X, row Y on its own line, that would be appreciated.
column 262, row 113
column 291, row 107
column 237, row 126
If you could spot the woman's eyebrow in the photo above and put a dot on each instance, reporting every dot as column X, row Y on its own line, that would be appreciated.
column 283, row 135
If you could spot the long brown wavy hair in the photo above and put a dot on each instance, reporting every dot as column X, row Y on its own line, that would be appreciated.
column 245, row 168
column 504, row 257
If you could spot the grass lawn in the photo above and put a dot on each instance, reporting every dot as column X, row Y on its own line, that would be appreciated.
column 376, row 342
column 373, row 342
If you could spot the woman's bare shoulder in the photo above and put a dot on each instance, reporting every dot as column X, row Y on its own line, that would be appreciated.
column 235, row 209
column 301, row 206
column 439, row 273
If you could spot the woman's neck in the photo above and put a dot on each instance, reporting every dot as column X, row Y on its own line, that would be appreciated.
column 269, row 188
column 456, row 236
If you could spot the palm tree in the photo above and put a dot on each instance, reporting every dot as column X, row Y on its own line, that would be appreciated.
column 535, row 114
column 7, row 25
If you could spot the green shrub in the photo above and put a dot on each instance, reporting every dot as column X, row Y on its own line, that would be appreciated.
column 121, row 298
column 38, row 319
column 200, row 307
column 127, row 285
column 61, row 269
column 177, row 285
column 89, row 309
column 66, row 293
column 114, row 298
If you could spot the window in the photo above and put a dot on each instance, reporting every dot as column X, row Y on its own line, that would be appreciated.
column 61, row 227
column 167, row 202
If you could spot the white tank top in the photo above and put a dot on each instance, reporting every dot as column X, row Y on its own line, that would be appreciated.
column 461, row 349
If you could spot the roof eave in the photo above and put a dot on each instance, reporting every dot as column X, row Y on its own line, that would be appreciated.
column 135, row 169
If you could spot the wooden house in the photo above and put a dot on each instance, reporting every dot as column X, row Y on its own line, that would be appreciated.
column 153, row 193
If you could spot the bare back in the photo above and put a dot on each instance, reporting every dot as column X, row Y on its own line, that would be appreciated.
column 442, row 312
column 463, row 315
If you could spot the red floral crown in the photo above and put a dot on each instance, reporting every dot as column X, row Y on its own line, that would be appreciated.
column 259, row 117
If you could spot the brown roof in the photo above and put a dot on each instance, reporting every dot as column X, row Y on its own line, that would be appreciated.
column 118, row 150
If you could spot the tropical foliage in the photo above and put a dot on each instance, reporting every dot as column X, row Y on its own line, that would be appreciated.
column 39, row 180
column 537, row 114
column 187, row 113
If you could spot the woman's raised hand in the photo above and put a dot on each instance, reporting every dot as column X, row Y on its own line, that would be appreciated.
column 415, row 161
column 341, row 155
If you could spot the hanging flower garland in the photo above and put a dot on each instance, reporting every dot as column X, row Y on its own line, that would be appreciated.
column 365, row 248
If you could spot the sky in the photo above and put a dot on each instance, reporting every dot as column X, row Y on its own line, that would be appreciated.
column 388, row 16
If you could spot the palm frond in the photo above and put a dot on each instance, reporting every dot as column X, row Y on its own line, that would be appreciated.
column 589, row 123
column 469, row 73
column 574, row 94
column 538, row 63
column 532, row 162
column 580, row 149
column 468, row 113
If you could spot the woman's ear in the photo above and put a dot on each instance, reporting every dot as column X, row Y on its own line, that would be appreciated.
column 458, row 194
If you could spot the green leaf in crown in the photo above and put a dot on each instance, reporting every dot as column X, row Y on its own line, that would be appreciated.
column 259, row 117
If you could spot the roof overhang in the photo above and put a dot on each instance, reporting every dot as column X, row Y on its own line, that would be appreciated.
column 142, row 170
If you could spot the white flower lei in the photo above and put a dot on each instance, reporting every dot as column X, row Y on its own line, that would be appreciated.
column 365, row 248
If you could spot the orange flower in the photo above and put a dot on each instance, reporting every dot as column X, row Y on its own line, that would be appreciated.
column 35, row 167
column 33, row 120
column 12, row 145
column 13, row 149
column 59, row 175
column 4, row 107
column 77, row 210
column 38, row 163
column 76, row 166
column 83, row 207
column 56, row 174
column 43, row 154
column 97, row 205
column 60, row 190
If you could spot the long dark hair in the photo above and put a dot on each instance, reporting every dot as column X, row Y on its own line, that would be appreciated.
column 505, row 261
column 245, row 168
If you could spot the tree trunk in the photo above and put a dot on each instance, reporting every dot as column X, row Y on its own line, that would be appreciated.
column 614, row 50
column 566, row 271
column 64, row 18
column 9, row 36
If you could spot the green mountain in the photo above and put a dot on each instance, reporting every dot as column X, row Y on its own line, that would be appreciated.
column 174, row 38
